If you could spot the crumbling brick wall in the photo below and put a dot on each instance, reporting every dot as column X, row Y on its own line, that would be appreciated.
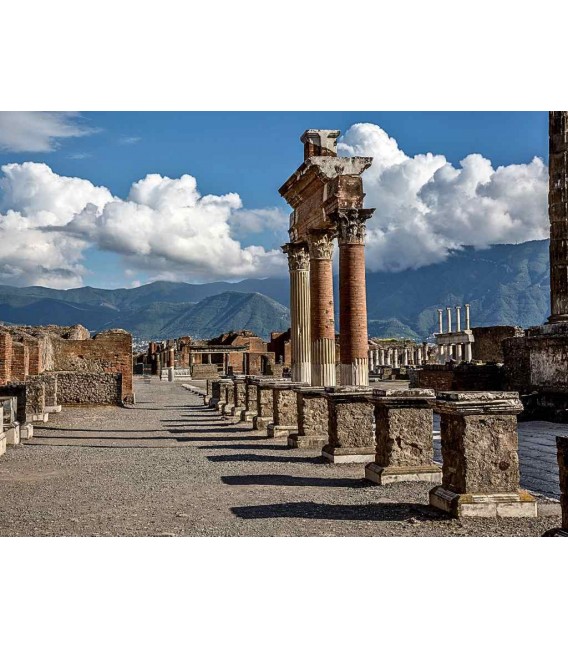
column 20, row 361
column 6, row 351
column 109, row 351
column 89, row 388
column 487, row 346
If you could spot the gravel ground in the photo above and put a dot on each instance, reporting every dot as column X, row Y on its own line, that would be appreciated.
column 171, row 467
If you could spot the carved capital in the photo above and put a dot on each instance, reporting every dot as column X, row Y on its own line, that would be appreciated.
column 298, row 257
column 320, row 243
column 351, row 224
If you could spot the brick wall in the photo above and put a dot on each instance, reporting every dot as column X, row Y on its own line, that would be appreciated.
column 487, row 346
column 109, row 351
column 20, row 361
column 5, row 357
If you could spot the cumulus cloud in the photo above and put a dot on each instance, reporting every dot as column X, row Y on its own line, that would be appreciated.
column 164, row 227
column 426, row 207
column 38, row 131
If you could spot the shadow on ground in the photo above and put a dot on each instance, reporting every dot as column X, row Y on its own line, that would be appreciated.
column 294, row 481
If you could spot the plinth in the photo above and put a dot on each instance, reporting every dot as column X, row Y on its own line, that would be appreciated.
column 312, row 419
column 480, row 471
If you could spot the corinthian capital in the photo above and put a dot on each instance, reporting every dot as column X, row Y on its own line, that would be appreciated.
column 320, row 243
column 351, row 224
column 298, row 257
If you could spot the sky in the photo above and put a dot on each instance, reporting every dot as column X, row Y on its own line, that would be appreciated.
column 118, row 199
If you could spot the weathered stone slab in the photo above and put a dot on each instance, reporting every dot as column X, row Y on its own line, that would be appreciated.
column 480, row 472
column 404, row 424
column 312, row 412
column 26, row 431
column 351, row 425
column 250, row 399
column 12, row 433
column 284, row 409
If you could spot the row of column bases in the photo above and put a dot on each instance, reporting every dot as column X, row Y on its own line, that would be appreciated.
column 312, row 305
column 396, row 357
column 391, row 433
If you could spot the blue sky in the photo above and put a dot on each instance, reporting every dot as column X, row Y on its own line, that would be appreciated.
column 252, row 154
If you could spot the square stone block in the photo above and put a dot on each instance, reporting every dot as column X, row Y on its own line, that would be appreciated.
column 2, row 442
column 12, row 434
column 274, row 430
column 312, row 413
column 351, row 425
column 387, row 475
column 26, row 431
column 248, row 415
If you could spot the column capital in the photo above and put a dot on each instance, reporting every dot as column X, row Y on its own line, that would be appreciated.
column 298, row 256
column 350, row 224
column 320, row 243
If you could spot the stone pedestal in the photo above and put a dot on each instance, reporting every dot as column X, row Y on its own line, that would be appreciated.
column 2, row 442
column 239, row 397
column 227, row 408
column 284, row 410
column 264, row 405
column 480, row 472
column 222, row 394
column 251, row 390
column 12, row 434
column 404, row 423
column 312, row 415
column 562, row 448
column 26, row 431
column 351, row 425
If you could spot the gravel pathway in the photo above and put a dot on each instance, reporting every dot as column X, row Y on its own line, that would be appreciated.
column 171, row 467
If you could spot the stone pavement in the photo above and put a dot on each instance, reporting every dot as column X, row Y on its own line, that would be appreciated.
column 171, row 467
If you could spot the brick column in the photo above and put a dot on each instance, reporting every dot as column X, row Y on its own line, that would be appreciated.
column 353, row 335
column 558, row 214
column 322, row 320
column 299, row 266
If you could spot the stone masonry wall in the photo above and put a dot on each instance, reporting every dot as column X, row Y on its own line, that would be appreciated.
column 5, row 357
column 487, row 346
column 89, row 388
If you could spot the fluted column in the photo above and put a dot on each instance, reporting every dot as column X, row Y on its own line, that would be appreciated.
column 381, row 356
column 171, row 364
column 322, row 319
column 352, row 295
column 558, row 213
column 300, row 343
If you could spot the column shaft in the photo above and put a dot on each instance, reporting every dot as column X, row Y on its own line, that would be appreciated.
column 298, row 261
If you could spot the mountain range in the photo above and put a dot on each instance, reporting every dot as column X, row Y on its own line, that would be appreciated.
column 505, row 284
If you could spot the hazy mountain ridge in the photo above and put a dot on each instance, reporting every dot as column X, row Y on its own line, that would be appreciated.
column 505, row 284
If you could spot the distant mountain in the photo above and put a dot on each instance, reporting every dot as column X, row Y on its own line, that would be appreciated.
column 505, row 284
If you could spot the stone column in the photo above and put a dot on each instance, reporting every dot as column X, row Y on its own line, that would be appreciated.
column 562, row 448
column 396, row 358
column 299, row 267
column 353, row 333
column 312, row 419
column 239, row 403
column 405, row 357
column 467, row 322
column 322, row 319
column 171, row 364
column 419, row 356
column 250, row 400
column 558, row 213
column 350, row 425
column 381, row 356
column 227, row 408
column 459, row 352
column 449, row 315
column 405, row 451
column 458, row 318
column 264, row 405
column 480, row 472
column 440, row 322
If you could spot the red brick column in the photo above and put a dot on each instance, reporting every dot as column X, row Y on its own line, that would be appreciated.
column 353, row 337
column 322, row 319
column 5, row 358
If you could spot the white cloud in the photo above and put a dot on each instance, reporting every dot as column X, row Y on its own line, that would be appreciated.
column 129, row 139
column 38, row 131
column 426, row 207
column 164, row 227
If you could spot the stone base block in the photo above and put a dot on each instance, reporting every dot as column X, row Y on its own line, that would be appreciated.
column 307, row 441
column 348, row 455
column 12, row 434
column 248, row 415
column 42, row 418
column 387, row 475
column 236, row 412
column 26, row 431
column 219, row 407
column 50, row 409
column 519, row 504
column 2, row 442
column 272, row 430
column 558, row 531
column 260, row 423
